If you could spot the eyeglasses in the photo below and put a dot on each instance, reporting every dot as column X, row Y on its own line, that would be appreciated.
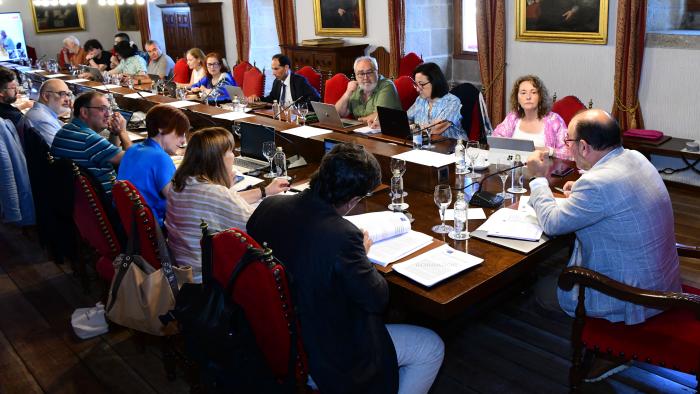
column 11, row 88
column 568, row 141
column 420, row 85
column 102, row 108
column 213, row 64
column 365, row 74
column 62, row 94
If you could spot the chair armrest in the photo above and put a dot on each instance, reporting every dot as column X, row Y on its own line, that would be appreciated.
column 650, row 298
column 688, row 250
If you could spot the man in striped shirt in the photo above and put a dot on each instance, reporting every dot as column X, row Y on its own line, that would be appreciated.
column 79, row 140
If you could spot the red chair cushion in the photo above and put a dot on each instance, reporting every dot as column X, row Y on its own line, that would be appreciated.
column 265, row 298
column 239, row 72
column 104, row 268
column 312, row 76
column 181, row 71
column 670, row 339
column 121, row 194
column 407, row 92
column 567, row 107
column 253, row 83
column 408, row 63
column 335, row 88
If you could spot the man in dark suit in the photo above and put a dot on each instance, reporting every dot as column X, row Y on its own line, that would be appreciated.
column 288, row 86
column 340, row 296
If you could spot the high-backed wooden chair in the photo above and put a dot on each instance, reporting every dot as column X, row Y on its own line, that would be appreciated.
column 239, row 71
column 670, row 339
column 312, row 76
column 408, row 63
column 567, row 107
column 129, row 201
column 472, row 118
column 335, row 88
column 254, row 82
column 181, row 71
column 406, row 90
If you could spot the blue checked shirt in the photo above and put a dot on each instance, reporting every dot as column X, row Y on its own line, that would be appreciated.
column 446, row 107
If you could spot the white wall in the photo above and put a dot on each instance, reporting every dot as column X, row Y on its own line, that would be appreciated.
column 100, row 23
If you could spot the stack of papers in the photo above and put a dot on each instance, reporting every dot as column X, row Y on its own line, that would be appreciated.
column 106, row 87
column 182, row 103
column 367, row 130
column 436, row 265
column 426, row 158
column 306, row 131
column 524, row 204
column 232, row 115
column 55, row 75
column 77, row 80
column 137, row 95
column 509, row 223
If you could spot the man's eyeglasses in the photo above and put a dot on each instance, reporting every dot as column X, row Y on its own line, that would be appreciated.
column 213, row 64
column 568, row 141
column 420, row 85
column 365, row 74
column 102, row 108
column 62, row 94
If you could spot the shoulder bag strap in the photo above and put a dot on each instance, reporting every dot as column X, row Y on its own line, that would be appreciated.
column 132, row 249
column 165, row 264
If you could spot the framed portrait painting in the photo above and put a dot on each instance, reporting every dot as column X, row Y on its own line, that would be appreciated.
column 57, row 18
column 571, row 21
column 339, row 17
column 126, row 17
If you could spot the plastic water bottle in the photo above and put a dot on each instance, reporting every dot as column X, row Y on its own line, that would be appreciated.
column 276, row 109
column 460, row 222
column 236, row 104
column 460, row 162
column 417, row 137
column 516, row 177
column 396, row 192
column 279, row 163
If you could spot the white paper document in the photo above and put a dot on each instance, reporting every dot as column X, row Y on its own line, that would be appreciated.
column 367, row 130
column 56, row 75
column 436, row 265
column 472, row 214
column 135, row 136
column 381, row 225
column 509, row 223
column 136, row 95
column 426, row 158
column 392, row 249
column 524, row 204
column 182, row 104
column 106, row 87
column 77, row 80
column 245, row 182
column 232, row 115
column 306, row 131
column 33, row 71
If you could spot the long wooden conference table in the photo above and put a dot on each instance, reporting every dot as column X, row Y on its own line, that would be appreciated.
column 501, row 266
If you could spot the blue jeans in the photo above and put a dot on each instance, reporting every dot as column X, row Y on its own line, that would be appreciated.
column 419, row 352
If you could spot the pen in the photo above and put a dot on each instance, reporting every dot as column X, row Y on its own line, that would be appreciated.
column 560, row 190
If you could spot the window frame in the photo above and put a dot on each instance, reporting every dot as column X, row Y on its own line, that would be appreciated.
column 457, row 51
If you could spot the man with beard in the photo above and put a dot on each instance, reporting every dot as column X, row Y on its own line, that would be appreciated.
column 366, row 93
column 288, row 86
column 55, row 99
column 8, row 95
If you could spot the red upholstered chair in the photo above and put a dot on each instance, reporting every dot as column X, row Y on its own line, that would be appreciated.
column 568, row 107
column 312, row 76
column 239, row 71
column 670, row 339
column 408, row 63
column 181, row 71
column 254, row 82
column 94, row 224
column 262, row 290
column 407, row 91
column 129, row 201
column 335, row 88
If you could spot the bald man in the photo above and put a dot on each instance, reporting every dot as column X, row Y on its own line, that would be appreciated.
column 621, row 213
column 55, row 100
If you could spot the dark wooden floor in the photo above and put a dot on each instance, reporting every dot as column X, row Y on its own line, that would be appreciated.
column 508, row 346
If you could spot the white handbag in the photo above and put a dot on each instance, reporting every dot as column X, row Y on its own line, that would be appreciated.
column 89, row 322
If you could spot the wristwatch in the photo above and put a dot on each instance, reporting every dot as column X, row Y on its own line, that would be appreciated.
column 263, row 194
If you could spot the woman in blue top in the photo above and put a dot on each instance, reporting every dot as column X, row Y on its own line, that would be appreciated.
column 216, row 73
column 435, row 104
column 148, row 165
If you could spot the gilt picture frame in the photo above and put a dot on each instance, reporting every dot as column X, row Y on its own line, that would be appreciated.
column 340, row 18
column 568, row 21
column 57, row 18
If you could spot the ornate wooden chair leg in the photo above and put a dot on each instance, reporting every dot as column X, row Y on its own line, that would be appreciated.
column 168, row 357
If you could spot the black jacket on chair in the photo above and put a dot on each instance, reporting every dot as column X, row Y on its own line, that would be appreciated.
column 339, row 295
column 300, row 88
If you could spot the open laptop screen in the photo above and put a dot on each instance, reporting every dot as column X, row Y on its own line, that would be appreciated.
column 394, row 122
column 252, row 138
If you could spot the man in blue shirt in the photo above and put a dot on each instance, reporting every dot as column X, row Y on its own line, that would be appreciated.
column 55, row 99
column 79, row 140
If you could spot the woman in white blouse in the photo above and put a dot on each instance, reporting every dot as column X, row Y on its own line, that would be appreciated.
column 195, row 61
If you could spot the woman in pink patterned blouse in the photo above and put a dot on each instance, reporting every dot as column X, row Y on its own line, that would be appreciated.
column 531, row 118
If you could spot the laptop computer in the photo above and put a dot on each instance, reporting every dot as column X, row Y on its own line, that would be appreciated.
column 394, row 122
column 154, row 77
column 96, row 74
column 234, row 91
column 126, row 115
column 252, row 138
column 328, row 116
column 505, row 149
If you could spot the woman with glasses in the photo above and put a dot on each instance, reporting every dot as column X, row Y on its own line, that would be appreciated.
column 202, row 190
column 435, row 105
column 130, row 62
column 216, row 76
column 531, row 119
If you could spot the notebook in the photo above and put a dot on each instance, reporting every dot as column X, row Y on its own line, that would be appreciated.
column 328, row 116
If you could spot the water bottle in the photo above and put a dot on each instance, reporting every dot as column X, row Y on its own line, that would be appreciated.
column 396, row 192
column 236, row 104
column 460, row 162
column 417, row 137
column 276, row 109
column 460, row 222
column 279, row 163
column 516, row 177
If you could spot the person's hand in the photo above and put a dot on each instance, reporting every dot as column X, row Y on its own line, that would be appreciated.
column 117, row 123
column 253, row 98
column 374, row 123
column 352, row 86
column 25, row 105
column 366, row 240
column 567, row 188
column 538, row 164
column 278, row 185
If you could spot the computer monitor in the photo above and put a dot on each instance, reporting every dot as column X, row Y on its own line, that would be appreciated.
column 12, row 44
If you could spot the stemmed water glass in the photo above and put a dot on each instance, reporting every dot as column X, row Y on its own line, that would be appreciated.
column 504, row 176
column 215, row 96
column 236, row 128
column 443, row 198
column 269, row 151
column 473, row 152
column 303, row 111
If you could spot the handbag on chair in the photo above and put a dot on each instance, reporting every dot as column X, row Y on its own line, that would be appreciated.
column 139, row 293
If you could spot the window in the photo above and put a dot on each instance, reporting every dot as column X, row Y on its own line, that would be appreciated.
column 263, row 40
column 465, row 43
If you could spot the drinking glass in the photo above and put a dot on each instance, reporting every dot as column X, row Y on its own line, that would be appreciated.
column 398, row 165
column 473, row 151
column 502, row 166
column 303, row 111
column 443, row 198
column 269, row 152
column 236, row 128
column 214, row 97
column 181, row 93
column 396, row 193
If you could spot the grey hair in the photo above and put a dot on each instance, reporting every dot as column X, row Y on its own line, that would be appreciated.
column 366, row 58
column 153, row 42
column 71, row 39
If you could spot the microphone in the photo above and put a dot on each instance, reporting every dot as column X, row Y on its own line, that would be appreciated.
column 486, row 199
column 405, row 141
column 292, row 103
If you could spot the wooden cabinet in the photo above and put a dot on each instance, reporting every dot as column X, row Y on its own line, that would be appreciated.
column 326, row 58
column 186, row 26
